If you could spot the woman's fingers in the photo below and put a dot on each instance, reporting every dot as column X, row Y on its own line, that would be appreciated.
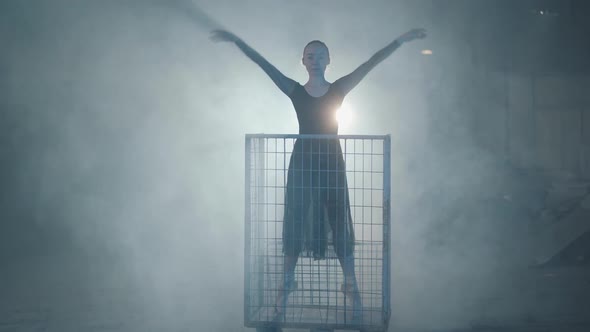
column 414, row 34
column 217, row 35
column 421, row 33
column 222, row 35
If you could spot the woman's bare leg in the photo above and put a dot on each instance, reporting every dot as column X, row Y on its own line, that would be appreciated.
column 350, row 287
column 286, row 285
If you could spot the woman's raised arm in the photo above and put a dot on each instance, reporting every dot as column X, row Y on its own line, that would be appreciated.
column 351, row 80
column 284, row 83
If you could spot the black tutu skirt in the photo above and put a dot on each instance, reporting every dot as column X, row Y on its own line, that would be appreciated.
column 317, row 205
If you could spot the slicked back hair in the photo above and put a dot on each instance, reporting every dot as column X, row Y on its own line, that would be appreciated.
column 317, row 42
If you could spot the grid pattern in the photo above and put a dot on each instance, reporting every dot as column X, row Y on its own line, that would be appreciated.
column 318, row 301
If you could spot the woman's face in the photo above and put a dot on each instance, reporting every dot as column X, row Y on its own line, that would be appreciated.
column 316, row 58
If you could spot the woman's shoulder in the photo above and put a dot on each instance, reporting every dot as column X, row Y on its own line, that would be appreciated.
column 296, row 89
column 336, row 87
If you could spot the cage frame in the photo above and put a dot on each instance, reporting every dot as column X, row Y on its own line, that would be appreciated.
column 386, row 232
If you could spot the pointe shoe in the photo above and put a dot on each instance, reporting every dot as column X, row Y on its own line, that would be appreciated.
column 351, row 291
column 278, row 315
column 281, row 304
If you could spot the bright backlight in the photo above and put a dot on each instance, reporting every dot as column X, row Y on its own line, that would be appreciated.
column 344, row 115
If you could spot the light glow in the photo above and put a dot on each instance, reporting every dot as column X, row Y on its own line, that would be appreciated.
column 344, row 115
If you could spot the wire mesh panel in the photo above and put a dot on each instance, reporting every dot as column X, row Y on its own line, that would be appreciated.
column 361, row 180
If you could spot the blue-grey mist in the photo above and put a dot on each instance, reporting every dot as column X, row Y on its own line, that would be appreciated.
column 122, row 152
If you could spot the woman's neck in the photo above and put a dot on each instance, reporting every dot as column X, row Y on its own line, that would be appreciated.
column 316, row 81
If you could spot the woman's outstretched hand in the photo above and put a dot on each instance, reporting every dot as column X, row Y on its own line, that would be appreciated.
column 411, row 35
column 223, row 36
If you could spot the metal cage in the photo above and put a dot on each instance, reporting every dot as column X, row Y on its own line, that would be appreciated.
column 318, row 301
